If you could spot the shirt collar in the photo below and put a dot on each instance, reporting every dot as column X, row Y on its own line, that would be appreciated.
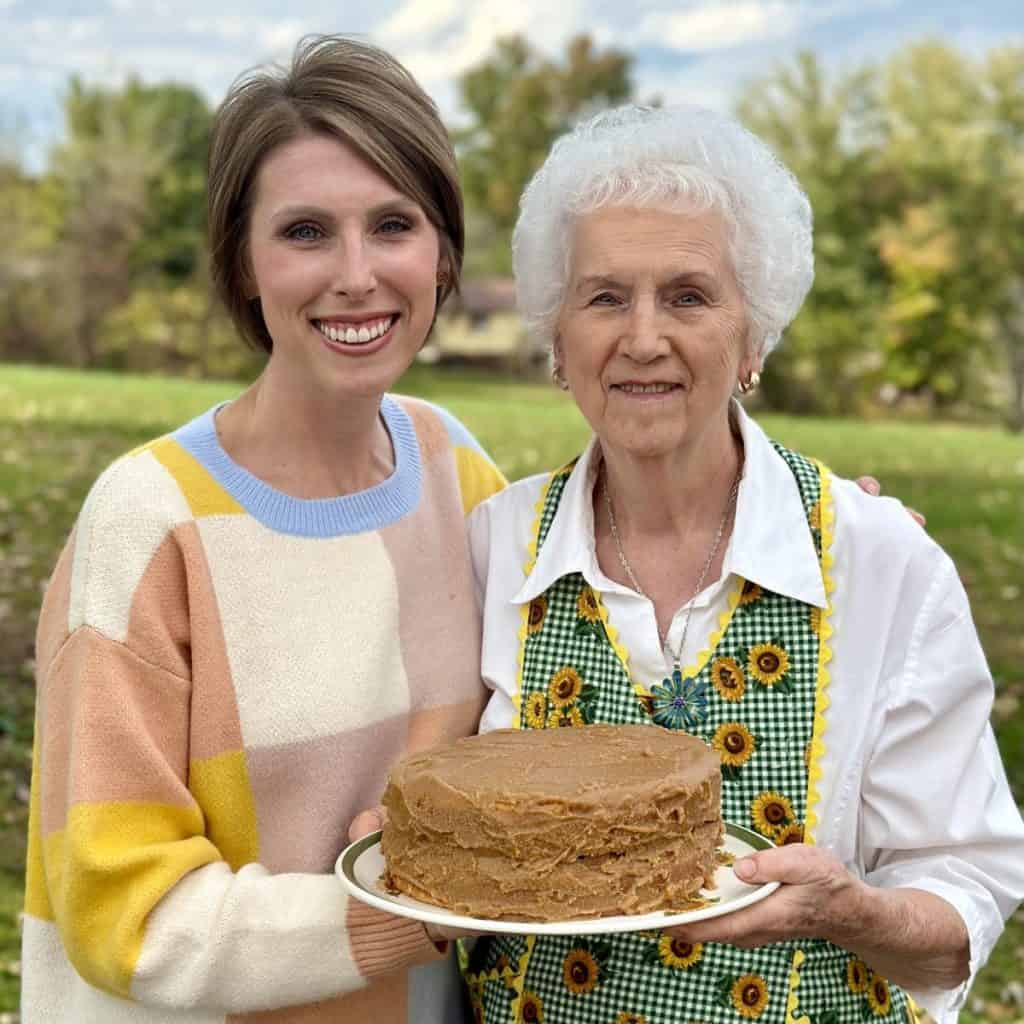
column 771, row 542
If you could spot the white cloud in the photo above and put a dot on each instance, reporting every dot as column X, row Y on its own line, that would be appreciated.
column 417, row 19
column 437, row 41
column 716, row 26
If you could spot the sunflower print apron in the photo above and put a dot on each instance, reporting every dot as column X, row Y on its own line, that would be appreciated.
column 756, row 699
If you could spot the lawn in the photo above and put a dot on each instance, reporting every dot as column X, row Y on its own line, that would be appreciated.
column 59, row 428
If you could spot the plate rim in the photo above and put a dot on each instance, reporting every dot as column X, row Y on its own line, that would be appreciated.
column 345, row 870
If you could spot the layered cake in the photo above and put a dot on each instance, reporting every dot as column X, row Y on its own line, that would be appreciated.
column 555, row 824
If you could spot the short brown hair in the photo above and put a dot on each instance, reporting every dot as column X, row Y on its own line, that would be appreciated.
column 343, row 89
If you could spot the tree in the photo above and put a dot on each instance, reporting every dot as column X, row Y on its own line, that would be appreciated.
column 954, row 147
column 127, row 188
column 519, row 102
column 174, row 120
column 826, row 134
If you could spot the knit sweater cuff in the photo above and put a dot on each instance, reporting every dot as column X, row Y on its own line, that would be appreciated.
column 383, row 943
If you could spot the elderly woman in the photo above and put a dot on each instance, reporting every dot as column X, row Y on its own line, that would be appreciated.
column 703, row 577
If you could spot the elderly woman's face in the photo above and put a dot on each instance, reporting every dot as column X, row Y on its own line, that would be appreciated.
column 653, row 327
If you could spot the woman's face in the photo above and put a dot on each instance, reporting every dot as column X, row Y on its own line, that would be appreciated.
column 653, row 327
column 345, row 267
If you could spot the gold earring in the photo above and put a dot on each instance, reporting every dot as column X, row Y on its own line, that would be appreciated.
column 748, row 385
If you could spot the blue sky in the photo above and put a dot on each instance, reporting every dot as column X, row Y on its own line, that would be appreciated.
column 697, row 50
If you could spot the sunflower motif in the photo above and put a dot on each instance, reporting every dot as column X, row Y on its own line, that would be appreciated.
column 562, row 718
column 630, row 1018
column 771, row 812
column 565, row 686
column 857, row 975
column 815, row 618
column 728, row 679
column 536, row 710
column 537, row 613
column 501, row 965
column 580, row 971
column 734, row 744
column 678, row 954
column 531, row 1009
column 767, row 663
column 789, row 834
column 586, row 606
column 750, row 593
column 879, row 997
column 680, row 703
column 750, row 995
column 814, row 517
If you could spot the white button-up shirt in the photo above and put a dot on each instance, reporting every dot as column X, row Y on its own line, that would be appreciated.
column 912, row 790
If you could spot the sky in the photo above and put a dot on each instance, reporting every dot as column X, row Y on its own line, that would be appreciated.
column 693, row 50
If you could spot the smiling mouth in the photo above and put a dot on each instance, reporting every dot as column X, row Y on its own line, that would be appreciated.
column 631, row 388
column 348, row 333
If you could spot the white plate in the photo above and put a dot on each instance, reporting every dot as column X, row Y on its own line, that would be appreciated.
column 361, row 865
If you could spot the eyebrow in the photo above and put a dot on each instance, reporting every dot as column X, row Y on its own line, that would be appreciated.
column 695, row 277
column 302, row 211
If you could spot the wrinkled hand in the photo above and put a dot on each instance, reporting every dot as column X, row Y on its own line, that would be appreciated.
column 818, row 898
column 366, row 822
column 871, row 486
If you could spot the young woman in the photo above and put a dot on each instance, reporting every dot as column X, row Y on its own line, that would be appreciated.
column 258, row 613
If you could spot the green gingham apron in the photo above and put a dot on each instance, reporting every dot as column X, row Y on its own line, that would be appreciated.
column 754, row 701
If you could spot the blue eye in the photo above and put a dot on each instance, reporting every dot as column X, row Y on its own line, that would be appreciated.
column 603, row 299
column 394, row 225
column 689, row 299
column 304, row 232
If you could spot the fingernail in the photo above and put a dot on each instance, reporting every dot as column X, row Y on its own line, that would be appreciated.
column 745, row 868
column 873, row 487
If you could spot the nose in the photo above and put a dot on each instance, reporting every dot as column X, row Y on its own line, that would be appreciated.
column 643, row 339
column 354, row 274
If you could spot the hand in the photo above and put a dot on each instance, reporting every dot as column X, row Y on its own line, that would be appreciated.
column 366, row 822
column 871, row 486
column 818, row 898
column 436, row 933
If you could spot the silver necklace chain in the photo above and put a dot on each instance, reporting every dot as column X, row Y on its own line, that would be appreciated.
column 628, row 569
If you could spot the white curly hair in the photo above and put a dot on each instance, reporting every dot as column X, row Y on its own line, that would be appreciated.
column 679, row 157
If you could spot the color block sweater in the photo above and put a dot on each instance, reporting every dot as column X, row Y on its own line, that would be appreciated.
column 225, row 675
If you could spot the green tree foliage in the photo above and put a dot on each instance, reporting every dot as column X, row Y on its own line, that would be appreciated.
column 916, row 173
column 171, row 123
column 518, row 103
column 824, row 133
column 24, row 261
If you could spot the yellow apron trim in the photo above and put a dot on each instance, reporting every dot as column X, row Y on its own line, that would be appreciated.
column 821, row 699
column 531, row 561
column 520, row 978
column 792, row 1000
column 690, row 672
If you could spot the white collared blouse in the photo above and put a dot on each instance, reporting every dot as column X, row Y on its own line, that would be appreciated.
column 912, row 788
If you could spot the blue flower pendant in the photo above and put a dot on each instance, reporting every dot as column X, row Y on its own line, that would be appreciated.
column 679, row 703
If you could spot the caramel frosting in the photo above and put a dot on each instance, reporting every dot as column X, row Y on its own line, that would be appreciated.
column 555, row 824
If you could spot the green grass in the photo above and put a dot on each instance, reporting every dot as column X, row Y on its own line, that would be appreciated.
column 59, row 428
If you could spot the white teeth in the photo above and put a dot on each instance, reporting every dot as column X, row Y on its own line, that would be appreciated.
column 355, row 335
column 646, row 389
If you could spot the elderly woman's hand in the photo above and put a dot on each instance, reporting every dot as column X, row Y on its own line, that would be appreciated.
column 909, row 936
